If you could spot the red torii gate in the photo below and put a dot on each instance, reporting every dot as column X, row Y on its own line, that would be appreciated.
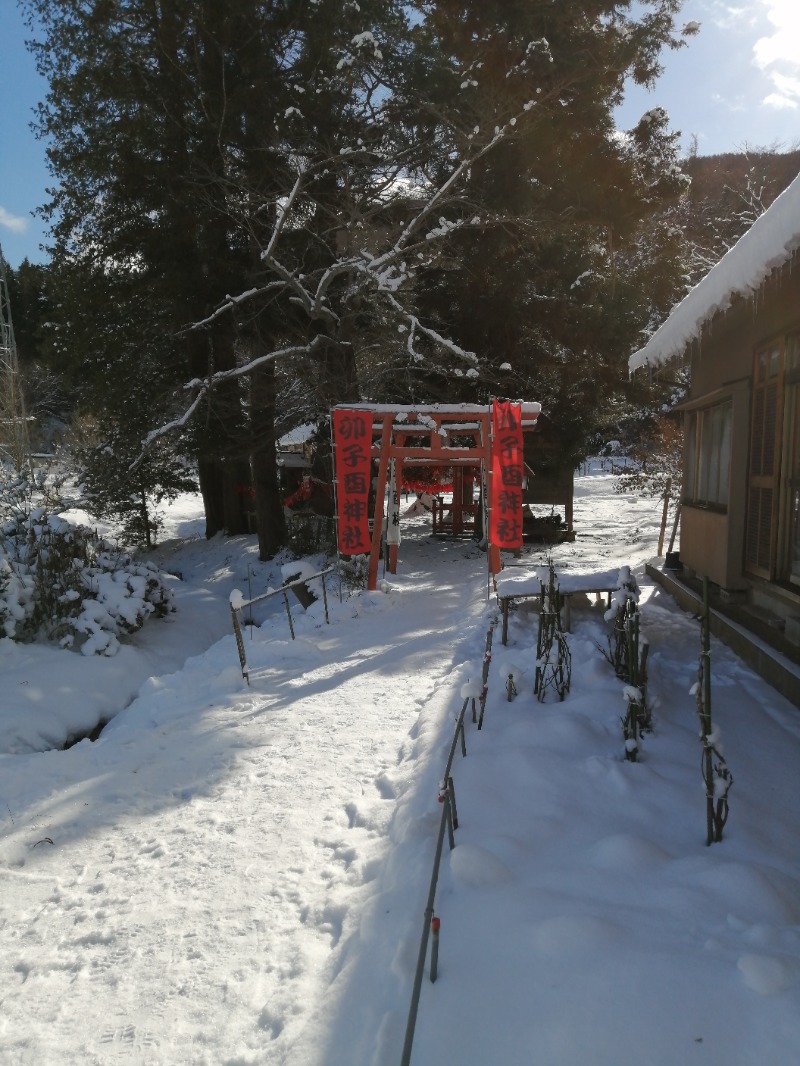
column 454, row 435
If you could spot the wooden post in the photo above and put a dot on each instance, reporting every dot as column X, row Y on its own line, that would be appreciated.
column 289, row 614
column 675, row 526
column 380, row 492
column 237, row 632
column 398, row 482
column 664, row 513
column 494, row 559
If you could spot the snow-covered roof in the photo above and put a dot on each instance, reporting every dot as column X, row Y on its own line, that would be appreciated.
column 293, row 461
column 530, row 408
column 298, row 435
column 770, row 242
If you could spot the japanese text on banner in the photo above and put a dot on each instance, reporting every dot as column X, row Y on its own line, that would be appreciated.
column 352, row 436
column 505, row 524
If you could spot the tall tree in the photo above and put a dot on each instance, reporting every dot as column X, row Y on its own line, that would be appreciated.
column 172, row 127
column 552, row 288
column 315, row 182
column 146, row 127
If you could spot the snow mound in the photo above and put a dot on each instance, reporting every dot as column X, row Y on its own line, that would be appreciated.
column 477, row 867
column 566, row 934
column 765, row 975
column 624, row 851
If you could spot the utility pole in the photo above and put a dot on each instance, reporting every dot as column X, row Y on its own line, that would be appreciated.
column 14, row 441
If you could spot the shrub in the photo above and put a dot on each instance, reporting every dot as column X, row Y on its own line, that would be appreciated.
column 64, row 582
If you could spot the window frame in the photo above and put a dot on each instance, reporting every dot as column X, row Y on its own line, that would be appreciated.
column 709, row 437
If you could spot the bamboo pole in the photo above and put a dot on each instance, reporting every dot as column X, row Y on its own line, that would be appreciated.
column 705, row 717
column 664, row 513
column 674, row 533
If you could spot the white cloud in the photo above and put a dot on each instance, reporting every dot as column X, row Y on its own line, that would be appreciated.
column 730, row 16
column 738, row 103
column 787, row 91
column 781, row 45
column 780, row 103
column 777, row 56
column 15, row 223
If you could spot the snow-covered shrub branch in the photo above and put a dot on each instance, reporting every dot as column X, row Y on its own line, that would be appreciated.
column 63, row 582
column 553, row 657
column 627, row 653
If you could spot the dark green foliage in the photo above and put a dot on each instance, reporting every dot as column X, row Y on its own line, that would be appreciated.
column 128, row 496
column 560, row 272
column 414, row 197
column 123, row 385
column 150, row 133
column 31, row 311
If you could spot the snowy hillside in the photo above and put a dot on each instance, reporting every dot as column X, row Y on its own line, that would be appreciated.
column 236, row 875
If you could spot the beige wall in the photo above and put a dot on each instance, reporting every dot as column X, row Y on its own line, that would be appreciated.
column 712, row 542
column 704, row 544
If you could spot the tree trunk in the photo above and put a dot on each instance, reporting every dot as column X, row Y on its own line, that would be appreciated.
column 210, row 477
column 338, row 378
column 270, row 521
column 236, row 496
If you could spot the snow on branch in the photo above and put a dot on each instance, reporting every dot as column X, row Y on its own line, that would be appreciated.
column 230, row 303
column 463, row 168
column 284, row 210
column 384, row 273
column 416, row 325
column 205, row 385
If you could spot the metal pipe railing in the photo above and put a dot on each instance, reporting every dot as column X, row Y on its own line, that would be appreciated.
column 449, row 821
column 282, row 591
column 446, row 822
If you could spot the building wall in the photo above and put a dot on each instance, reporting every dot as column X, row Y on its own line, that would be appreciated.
column 712, row 539
column 725, row 352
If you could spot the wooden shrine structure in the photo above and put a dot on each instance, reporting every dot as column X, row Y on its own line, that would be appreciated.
column 419, row 438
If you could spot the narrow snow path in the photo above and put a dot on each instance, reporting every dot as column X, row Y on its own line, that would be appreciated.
column 237, row 876
column 203, row 865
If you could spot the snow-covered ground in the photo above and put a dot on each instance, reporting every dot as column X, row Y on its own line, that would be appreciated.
column 236, row 875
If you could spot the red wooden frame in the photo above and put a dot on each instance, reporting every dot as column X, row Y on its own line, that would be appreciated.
column 397, row 432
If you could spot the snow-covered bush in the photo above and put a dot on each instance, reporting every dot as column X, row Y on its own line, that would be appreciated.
column 627, row 653
column 354, row 571
column 553, row 657
column 655, row 463
column 65, row 583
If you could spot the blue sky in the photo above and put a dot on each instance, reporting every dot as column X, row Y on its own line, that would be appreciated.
column 735, row 85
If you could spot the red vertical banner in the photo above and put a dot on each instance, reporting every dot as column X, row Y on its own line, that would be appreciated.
column 352, row 438
column 505, row 497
